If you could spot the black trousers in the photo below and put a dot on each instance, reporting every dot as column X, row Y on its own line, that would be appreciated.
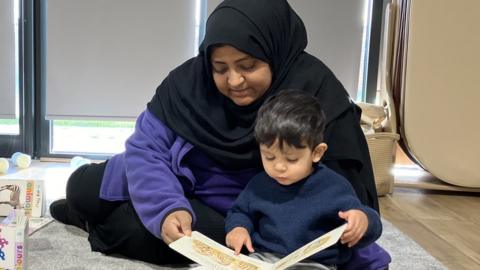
column 115, row 228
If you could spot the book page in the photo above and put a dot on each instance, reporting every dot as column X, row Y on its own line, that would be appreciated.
column 212, row 255
column 311, row 248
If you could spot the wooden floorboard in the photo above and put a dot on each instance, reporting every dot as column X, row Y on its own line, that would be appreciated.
column 446, row 224
column 444, row 219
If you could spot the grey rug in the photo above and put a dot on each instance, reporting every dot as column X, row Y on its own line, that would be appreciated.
column 59, row 246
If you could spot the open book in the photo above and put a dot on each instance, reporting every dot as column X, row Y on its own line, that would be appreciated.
column 213, row 255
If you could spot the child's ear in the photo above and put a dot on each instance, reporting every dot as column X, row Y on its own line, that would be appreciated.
column 318, row 152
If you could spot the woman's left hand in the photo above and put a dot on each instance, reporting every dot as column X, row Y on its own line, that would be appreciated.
column 357, row 226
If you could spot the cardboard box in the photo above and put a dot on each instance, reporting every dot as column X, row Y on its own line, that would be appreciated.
column 13, row 241
column 21, row 194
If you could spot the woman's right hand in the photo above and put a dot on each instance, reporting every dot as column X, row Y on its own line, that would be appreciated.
column 176, row 225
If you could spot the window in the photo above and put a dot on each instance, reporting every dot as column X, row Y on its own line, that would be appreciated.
column 135, row 26
column 94, row 137
column 363, row 72
column 54, row 51
column 11, row 137
column 9, row 52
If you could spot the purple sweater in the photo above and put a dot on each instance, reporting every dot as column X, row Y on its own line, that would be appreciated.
column 157, row 170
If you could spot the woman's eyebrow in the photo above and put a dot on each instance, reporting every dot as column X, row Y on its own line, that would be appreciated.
column 217, row 61
column 243, row 59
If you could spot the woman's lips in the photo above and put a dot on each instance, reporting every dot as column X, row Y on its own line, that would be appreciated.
column 239, row 93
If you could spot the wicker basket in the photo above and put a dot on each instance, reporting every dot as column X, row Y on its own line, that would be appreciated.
column 381, row 146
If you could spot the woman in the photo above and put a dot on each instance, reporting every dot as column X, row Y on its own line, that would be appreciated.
column 193, row 148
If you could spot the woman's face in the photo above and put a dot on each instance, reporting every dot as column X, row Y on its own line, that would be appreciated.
column 239, row 76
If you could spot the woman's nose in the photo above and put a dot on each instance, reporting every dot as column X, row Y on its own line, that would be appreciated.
column 235, row 80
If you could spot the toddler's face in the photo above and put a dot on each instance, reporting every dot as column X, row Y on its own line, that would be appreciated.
column 290, row 164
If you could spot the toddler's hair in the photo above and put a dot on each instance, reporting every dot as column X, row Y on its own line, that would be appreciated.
column 293, row 117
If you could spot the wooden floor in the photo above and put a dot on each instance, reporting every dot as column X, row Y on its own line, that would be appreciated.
column 445, row 223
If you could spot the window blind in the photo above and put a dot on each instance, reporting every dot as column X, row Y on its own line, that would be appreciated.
column 335, row 35
column 7, row 60
column 105, row 58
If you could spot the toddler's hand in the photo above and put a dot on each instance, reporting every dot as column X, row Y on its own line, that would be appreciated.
column 357, row 226
column 238, row 237
column 176, row 225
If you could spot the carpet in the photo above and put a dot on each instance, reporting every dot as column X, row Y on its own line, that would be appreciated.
column 59, row 246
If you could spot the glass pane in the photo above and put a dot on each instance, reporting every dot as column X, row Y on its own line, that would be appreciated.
column 89, row 137
column 363, row 72
column 9, row 127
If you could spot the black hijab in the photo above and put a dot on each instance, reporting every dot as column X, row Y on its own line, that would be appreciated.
column 189, row 103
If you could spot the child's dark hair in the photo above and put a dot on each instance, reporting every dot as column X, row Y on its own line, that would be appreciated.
column 293, row 117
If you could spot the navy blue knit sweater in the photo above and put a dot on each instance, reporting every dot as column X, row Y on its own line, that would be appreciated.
column 281, row 219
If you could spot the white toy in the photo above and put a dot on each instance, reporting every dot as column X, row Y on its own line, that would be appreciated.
column 21, row 160
column 79, row 161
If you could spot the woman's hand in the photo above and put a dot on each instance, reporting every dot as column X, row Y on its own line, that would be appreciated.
column 357, row 226
column 176, row 225
column 237, row 238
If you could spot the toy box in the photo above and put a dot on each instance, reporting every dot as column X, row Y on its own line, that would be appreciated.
column 13, row 241
column 27, row 195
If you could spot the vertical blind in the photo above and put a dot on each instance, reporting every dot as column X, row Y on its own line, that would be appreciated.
column 7, row 60
column 335, row 34
column 105, row 58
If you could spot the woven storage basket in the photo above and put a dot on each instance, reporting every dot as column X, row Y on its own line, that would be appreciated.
column 381, row 146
